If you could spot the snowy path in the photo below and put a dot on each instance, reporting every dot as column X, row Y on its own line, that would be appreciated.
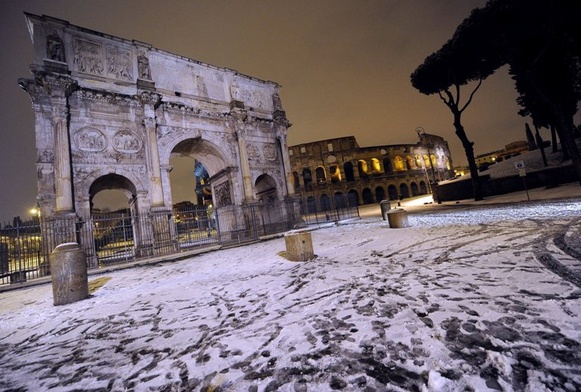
column 459, row 301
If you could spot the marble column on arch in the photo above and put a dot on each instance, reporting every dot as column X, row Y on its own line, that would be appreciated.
column 244, row 165
column 62, row 162
column 59, row 89
column 150, row 102
column 285, row 161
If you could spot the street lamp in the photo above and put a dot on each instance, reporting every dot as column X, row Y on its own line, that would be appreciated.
column 35, row 212
column 434, row 185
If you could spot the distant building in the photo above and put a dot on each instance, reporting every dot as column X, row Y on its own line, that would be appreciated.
column 461, row 170
column 335, row 167
column 509, row 151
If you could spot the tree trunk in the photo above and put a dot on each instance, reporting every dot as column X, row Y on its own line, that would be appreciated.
column 469, row 149
column 540, row 144
column 554, row 139
column 532, row 145
column 566, row 130
column 561, row 131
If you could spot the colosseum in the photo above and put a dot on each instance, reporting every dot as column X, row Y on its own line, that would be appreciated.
column 327, row 170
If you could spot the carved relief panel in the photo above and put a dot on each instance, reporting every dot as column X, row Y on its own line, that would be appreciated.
column 252, row 151
column 89, row 139
column 222, row 194
column 270, row 152
column 45, row 156
column 116, row 62
column 88, row 57
column 92, row 146
column 119, row 63
column 127, row 142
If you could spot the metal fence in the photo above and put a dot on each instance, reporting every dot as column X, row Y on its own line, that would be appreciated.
column 21, row 252
column 325, row 209
column 121, row 237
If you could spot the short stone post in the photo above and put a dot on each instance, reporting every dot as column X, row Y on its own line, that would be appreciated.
column 299, row 246
column 69, row 274
column 385, row 206
column 397, row 218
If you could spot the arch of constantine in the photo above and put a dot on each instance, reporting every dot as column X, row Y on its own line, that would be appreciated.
column 110, row 113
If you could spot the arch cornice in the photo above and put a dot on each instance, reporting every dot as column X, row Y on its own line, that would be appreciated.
column 181, row 108
column 107, row 97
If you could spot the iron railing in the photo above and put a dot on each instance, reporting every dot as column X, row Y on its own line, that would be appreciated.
column 121, row 237
column 21, row 252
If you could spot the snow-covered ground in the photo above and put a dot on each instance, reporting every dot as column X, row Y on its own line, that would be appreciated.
column 470, row 297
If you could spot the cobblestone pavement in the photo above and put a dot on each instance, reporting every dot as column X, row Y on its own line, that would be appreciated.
column 477, row 299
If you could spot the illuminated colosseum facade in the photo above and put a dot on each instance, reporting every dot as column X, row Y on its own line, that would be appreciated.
column 327, row 169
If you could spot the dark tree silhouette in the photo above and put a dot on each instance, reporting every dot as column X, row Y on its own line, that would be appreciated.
column 543, row 50
column 456, row 64
column 540, row 41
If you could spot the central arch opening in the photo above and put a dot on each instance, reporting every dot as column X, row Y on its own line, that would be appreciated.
column 193, row 162
column 190, row 182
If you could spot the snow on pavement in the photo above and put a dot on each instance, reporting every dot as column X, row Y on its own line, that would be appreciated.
column 464, row 299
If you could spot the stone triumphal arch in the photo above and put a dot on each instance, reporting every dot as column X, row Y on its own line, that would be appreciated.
column 111, row 112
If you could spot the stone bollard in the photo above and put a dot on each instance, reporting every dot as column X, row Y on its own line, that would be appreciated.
column 299, row 246
column 385, row 206
column 397, row 218
column 69, row 274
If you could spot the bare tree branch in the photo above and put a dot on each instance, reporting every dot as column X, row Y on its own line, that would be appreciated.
column 472, row 95
column 449, row 101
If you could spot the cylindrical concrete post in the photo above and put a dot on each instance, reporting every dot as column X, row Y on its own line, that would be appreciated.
column 69, row 274
column 385, row 206
column 299, row 246
column 397, row 218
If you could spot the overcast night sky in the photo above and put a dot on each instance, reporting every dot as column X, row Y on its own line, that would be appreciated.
column 344, row 67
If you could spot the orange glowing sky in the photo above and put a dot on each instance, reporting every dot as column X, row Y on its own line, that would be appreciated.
column 344, row 67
